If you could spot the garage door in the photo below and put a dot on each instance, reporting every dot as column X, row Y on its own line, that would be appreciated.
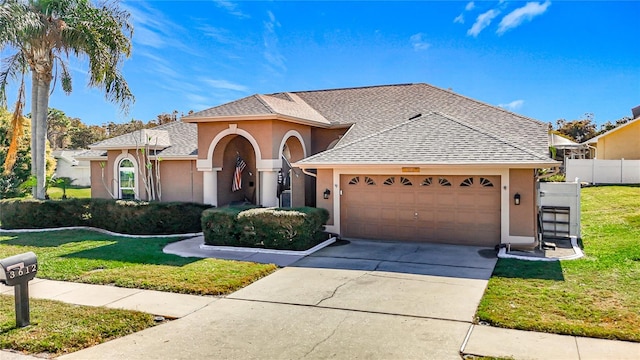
column 445, row 209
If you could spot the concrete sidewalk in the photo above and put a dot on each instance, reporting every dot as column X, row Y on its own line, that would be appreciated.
column 169, row 305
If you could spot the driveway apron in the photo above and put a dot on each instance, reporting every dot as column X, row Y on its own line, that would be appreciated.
column 364, row 299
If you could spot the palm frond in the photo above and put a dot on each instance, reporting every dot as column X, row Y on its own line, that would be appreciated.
column 16, row 131
column 13, row 67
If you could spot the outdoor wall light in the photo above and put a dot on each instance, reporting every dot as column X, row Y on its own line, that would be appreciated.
column 326, row 193
column 516, row 199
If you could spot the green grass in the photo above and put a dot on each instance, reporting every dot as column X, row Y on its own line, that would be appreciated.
column 95, row 258
column 73, row 192
column 596, row 296
column 58, row 328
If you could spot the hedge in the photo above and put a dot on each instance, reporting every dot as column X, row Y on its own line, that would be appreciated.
column 270, row 228
column 125, row 217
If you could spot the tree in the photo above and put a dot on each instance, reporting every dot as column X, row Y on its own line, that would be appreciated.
column 610, row 126
column 42, row 34
column 58, row 129
column 81, row 135
column 577, row 130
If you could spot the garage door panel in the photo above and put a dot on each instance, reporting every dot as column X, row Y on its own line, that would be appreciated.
column 447, row 209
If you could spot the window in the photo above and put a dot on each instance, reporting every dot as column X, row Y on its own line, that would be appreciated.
column 390, row 181
column 467, row 182
column 369, row 181
column 404, row 181
column 126, row 180
column 485, row 182
column 427, row 181
column 444, row 182
column 354, row 181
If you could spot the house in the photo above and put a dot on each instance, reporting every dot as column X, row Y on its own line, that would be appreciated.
column 405, row 162
column 68, row 166
column 622, row 142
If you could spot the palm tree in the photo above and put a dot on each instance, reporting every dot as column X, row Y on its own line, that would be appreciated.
column 41, row 34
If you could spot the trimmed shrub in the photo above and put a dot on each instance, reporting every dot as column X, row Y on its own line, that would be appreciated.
column 126, row 217
column 220, row 226
column 271, row 228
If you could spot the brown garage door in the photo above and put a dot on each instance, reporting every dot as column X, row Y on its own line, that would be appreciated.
column 445, row 209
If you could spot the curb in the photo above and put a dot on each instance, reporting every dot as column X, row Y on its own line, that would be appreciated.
column 107, row 232
column 269, row 251
column 502, row 254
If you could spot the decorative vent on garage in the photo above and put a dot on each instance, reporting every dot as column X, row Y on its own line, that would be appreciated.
column 404, row 181
column 354, row 181
column 390, row 181
column 444, row 182
column 427, row 181
column 467, row 182
column 369, row 181
column 485, row 182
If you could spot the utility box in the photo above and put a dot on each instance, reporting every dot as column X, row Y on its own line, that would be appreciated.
column 17, row 271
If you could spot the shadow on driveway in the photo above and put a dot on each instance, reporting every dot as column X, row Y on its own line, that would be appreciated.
column 457, row 261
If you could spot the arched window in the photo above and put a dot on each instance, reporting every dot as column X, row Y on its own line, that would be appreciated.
column 126, row 180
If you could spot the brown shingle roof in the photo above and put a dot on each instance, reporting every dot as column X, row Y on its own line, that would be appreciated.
column 429, row 139
column 174, row 139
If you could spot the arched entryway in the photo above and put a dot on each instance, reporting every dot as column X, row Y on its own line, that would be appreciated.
column 230, row 150
column 292, row 182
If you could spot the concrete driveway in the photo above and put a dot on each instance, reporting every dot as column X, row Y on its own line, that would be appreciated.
column 365, row 299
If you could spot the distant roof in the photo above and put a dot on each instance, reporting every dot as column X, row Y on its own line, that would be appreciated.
column 561, row 141
column 175, row 139
column 595, row 139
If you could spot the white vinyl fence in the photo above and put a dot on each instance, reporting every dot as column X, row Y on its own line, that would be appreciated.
column 563, row 195
column 596, row 171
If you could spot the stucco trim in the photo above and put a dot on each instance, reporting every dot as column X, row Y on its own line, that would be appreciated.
column 207, row 165
column 296, row 134
column 116, row 173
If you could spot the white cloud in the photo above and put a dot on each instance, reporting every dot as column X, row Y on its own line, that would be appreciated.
column 519, row 15
column 470, row 6
column 514, row 105
column 226, row 85
column 418, row 42
column 218, row 34
column 459, row 19
column 482, row 21
column 271, row 52
column 231, row 8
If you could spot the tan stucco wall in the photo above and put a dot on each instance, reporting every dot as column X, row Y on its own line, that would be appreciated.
column 621, row 144
column 97, row 188
column 180, row 181
column 324, row 181
column 522, row 218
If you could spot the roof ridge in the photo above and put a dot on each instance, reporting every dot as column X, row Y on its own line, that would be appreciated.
column 350, row 88
column 485, row 104
column 484, row 132
column 264, row 102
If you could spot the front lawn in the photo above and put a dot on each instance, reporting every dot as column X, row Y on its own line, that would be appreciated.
column 55, row 192
column 58, row 328
column 597, row 296
column 92, row 257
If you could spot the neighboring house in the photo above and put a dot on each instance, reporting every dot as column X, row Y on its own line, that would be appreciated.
column 405, row 162
column 68, row 166
column 622, row 142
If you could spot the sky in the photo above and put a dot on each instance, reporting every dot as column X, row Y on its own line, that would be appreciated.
column 547, row 60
